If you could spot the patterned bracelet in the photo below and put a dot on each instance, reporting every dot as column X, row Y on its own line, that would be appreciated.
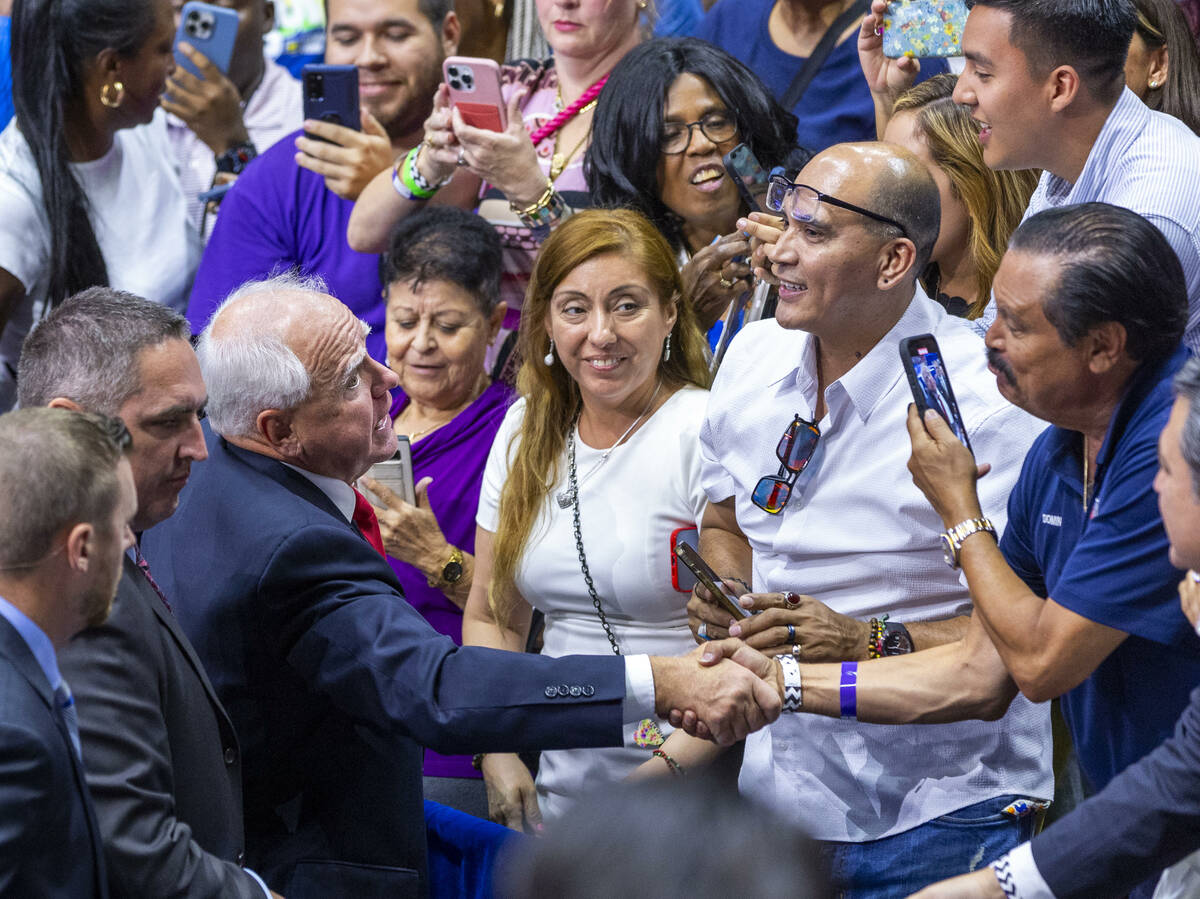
column 1004, row 877
column 793, row 698
column 671, row 763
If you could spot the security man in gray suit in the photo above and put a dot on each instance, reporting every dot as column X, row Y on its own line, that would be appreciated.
column 162, row 759
column 68, row 501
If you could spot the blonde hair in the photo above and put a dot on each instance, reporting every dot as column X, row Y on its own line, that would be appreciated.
column 551, row 395
column 995, row 201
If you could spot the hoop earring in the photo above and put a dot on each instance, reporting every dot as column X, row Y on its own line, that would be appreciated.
column 667, row 349
column 109, row 101
column 549, row 357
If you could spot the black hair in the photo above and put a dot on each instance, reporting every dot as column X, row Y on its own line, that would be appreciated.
column 1091, row 36
column 1115, row 267
column 53, row 41
column 434, row 10
column 909, row 196
column 621, row 163
column 444, row 243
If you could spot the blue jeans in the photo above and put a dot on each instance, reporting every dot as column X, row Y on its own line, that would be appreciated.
column 953, row 844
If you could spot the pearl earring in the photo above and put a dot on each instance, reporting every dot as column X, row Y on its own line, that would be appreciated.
column 549, row 357
column 1153, row 85
column 667, row 349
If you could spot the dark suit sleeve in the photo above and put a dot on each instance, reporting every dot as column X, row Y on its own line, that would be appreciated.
column 114, row 675
column 341, row 623
column 25, row 781
column 1146, row 819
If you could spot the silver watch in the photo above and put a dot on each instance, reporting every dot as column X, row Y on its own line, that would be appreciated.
column 952, row 539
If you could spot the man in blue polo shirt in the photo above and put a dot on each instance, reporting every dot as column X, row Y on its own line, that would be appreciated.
column 1080, row 597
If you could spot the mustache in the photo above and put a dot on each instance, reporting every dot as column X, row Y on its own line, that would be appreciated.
column 998, row 362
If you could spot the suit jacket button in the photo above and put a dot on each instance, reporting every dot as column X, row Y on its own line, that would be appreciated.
column 551, row 692
column 564, row 690
column 588, row 690
column 576, row 691
column 230, row 756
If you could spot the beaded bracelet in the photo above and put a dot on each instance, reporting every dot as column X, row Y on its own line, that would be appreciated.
column 545, row 213
column 875, row 641
column 671, row 763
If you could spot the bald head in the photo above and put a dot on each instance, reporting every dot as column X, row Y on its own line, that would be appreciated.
column 271, row 345
column 889, row 181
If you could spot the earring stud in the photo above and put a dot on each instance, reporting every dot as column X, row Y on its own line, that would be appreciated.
column 549, row 357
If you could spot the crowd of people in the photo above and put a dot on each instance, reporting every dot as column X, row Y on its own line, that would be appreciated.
column 234, row 663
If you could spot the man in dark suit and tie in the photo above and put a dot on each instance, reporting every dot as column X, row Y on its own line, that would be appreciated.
column 163, row 762
column 334, row 681
column 68, row 501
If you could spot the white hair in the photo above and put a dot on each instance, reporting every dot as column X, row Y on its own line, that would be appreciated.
column 254, row 370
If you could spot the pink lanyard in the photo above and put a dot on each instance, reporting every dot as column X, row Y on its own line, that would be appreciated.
column 567, row 114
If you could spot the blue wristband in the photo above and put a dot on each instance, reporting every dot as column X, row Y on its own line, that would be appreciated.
column 848, row 690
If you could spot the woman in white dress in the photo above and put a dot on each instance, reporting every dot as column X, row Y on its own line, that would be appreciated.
column 591, row 473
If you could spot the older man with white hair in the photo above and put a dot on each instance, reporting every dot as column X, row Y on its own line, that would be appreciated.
column 333, row 681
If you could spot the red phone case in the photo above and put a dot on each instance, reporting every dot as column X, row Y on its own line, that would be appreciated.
column 675, row 559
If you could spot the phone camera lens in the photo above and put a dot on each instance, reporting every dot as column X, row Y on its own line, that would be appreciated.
column 456, row 84
column 468, row 81
column 452, row 71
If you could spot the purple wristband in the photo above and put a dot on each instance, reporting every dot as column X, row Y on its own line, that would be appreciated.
column 848, row 690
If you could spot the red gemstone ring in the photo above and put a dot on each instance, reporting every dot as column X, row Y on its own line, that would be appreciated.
column 792, row 599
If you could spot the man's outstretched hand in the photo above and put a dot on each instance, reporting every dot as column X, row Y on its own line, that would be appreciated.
column 727, row 701
column 733, row 661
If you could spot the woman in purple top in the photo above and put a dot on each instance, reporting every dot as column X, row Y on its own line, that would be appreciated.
column 442, row 272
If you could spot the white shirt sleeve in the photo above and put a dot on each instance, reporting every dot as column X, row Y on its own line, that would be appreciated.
column 639, row 688
column 1019, row 876
column 495, row 473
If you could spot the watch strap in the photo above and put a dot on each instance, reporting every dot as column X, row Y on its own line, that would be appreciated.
column 964, row 529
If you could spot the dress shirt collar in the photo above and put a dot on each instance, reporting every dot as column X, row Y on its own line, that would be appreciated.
column 877, row 372
column 340, row 493
column 35, row 638
column 1123, row 125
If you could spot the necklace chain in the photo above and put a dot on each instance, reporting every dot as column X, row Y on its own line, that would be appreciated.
column 583, row 565
column 566, row 497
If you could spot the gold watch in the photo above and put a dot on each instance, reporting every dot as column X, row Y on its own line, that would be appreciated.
column 452, row 572
column 952, row 539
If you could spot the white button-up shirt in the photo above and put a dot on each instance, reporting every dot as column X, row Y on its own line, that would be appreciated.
column 860, row 537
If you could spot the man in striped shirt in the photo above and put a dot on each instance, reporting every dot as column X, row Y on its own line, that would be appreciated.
column 1045, row 82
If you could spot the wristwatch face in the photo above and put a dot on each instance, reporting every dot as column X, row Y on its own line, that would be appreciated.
column 452, row 573
column 897, row 643
column 949, row 550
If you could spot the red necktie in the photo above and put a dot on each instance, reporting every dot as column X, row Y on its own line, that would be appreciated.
column 365, row 520
column 145, row 566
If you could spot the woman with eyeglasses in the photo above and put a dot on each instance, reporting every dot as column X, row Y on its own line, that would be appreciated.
column 674, row 107
column 593, row 471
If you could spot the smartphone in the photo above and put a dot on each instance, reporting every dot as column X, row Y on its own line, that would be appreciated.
column 396, row 474
column 749, row 176
column 331, row 95
column 210, row 29
column 682, row 578
column 726, row 599
column 475, row 91
column 924, row 28
column 930, row 384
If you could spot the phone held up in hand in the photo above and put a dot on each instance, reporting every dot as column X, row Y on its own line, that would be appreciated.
column 926, row 370
column 396, row 474
column 210, row 29
column 926, row 29
column 475, row 91
column 331, row 95
column 725, row 598
column 749, row 176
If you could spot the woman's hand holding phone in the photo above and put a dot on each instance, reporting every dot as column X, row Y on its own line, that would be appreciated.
column 716, row 275
column 505, row 159
column 886, row 78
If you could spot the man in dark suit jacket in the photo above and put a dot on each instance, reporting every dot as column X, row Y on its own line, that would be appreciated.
column 69, row 498
column 163, row 762
column 334, row 681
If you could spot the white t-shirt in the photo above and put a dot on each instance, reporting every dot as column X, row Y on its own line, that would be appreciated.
column 648, row 488
column 136, row 209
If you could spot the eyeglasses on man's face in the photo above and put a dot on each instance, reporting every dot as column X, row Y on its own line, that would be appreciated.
column 800, row 202
column 718, row 127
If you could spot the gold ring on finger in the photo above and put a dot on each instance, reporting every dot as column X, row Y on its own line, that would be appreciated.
column 726, row 283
